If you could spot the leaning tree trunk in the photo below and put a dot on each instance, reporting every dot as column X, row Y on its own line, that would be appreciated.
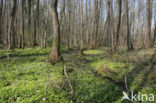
column 55, row 54
column 147, row 42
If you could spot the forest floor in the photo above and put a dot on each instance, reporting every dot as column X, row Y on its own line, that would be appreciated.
column 95, row 77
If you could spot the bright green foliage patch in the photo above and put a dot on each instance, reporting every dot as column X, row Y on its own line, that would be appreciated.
column 93, row 52
column 30, row 79
column 28, row 51
column 112, row 69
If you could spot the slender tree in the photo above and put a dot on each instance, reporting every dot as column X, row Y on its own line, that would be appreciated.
column 118, row 22
column 23, row 22
column 81, row 26
column 1, row 11
column 13, row 26
column 55, row 54
column 96, row 22
column 147, row 43
column 154, row 37
column 129, row 42
column 29, row 17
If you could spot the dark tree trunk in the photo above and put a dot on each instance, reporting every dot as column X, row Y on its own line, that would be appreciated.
column 23, row 20
column 29, row 18
column 55, row 54
column 154, row 38
column 35, row 32
column 81, row 26
column 13, row 26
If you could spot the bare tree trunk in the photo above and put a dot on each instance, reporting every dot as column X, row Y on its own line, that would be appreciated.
column 23, row 20
column 154, row 38
column 96, row 22
column 29, row 19
column 35, row 32
column 38, row 22
column 43, row 44
column 117, row 22
column 55, row 54
column 13, row 26
column 129, row 42
column 147, row 43
column 81, row 26
column 1, row 11
column 111, row 25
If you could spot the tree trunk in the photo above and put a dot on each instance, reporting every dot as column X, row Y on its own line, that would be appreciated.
column 81, row 26
column 23, row 20
column 55, row 54
column 111, row 25
column 13, row 26
column 29, row 19
column 154, row 38
column 129, row 42
column 96, row 22
column 147, row 43
column 1, row 11
column 118, row 21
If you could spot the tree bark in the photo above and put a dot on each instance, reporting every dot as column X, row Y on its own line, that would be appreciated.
column 81, row 26
column 118, row 22
column 23, row 23
column 13, row 26
column 96, row 23
column 147, row 43
column 154, row 38
column 1, row 11
column 111, row 25
column 55, row 54
column 129, row 42
column 29, row 19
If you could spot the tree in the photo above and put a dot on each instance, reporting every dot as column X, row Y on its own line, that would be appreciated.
column 147, row 43
column 29, row 16
column 118, row 22
column 1, row 11
column 55, row 54
column 13, row 26
column 23, row 22
column 96, row 23
column 81, row 26
column 36, row 23
column 129, row 42
column 154, row 38
column 44, row 35
column 111, row 25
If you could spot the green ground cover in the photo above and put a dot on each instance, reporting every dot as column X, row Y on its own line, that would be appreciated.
column 28, row 77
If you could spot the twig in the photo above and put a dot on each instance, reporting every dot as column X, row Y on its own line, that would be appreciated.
column 126, row 83
column 67, row 77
